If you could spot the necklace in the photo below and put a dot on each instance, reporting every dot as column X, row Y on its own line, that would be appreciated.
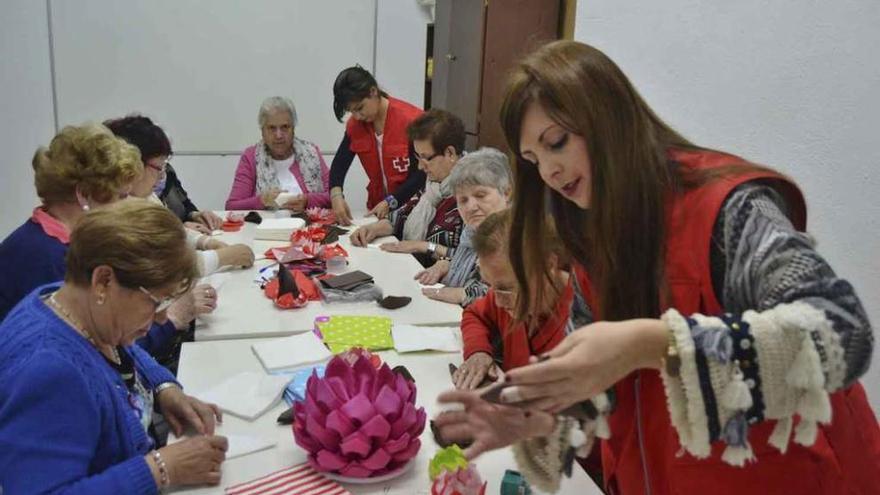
column 81, row 329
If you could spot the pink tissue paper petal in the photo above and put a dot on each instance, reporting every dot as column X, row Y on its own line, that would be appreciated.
column 378, row 460
column 337, row 421
column 330, row 461
column 355, row 444
column 377, row 428
column 359, row 409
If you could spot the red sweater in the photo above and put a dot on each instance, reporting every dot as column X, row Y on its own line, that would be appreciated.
column 485, row 327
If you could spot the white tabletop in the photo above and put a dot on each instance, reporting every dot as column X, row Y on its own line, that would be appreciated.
column 244, row 312
column 204, row 364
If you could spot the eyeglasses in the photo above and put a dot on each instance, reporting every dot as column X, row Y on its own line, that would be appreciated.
column 161, row 304
column 159, row 168
column 428, row 158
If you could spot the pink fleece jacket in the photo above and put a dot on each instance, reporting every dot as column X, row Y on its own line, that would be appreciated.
column 243, row 195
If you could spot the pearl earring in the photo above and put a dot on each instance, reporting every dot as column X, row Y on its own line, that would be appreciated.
column 100, row 299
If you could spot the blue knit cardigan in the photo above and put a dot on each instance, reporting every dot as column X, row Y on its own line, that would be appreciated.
column 66, row 425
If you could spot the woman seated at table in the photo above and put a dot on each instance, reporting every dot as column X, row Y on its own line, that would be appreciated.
column 84, row 167
column 76, row 397
column 376, row 133
column 280, row 163
column 155, row 149
column 481, row 181
column 429, row 224
column 490, row 333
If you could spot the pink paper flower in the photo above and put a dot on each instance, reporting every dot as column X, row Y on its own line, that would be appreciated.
column 464, row 481
column 358, row 421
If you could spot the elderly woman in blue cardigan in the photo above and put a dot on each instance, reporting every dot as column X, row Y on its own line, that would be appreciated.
column 76, row 396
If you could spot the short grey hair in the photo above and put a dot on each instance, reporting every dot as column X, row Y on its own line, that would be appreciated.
column 273, row 104
column 486, row 167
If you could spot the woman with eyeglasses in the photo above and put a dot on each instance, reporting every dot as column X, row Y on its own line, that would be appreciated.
column 428, row 225
column 493, row 338
column 155, row 149
column 733, row 349
column 481, row 181
column 160, row 177
column 76, row 396
column 84, row 167
column 375, row 133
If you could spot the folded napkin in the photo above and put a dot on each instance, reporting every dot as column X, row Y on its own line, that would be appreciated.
column 410, row 338
column 292, row 352
column 295, row 480
column 247, row 395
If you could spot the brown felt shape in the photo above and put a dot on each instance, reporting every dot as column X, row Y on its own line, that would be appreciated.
column 395, row 302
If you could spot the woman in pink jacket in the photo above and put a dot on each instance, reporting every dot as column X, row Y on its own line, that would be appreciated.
column 281, row 170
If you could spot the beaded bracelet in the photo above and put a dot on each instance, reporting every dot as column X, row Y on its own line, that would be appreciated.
column 164, row 479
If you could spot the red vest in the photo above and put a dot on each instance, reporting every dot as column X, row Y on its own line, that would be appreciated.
column 395, row 149
column 846, row 456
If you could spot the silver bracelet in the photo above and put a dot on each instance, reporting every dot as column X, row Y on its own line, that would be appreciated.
column 164, row 386
column 164, row 479
column 337, row 194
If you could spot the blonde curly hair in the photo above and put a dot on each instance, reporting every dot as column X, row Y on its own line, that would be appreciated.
column 88, row 158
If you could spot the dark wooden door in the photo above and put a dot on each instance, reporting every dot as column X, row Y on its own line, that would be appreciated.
column 513, row 29
column 458, row 56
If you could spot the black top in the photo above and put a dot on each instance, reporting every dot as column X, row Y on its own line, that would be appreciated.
column 175, row 198
column 415, row 179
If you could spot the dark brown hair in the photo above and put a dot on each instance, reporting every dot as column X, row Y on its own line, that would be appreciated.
column 441, row 128
column 620, row 238
column 145, row 244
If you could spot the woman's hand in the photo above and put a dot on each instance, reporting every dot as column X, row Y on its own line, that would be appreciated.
column 205, row 299
column 340, row 208
column 181, row 410
column 488, row 426
column 475, row 368
column 380, row 210
column 587, row 362
column 182, row 311
column 363, row 235
column 207, row 218
column 434, row 274
column 194, row 461
column 236, row 255
column 268, row 197
column 452, row 295
column 297, row 204
column 405, row 247
column 198, row 227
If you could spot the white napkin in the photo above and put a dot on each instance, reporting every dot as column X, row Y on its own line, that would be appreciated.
column 248, row 394
column 240, row 445
column 410, row 338
column 292, row 352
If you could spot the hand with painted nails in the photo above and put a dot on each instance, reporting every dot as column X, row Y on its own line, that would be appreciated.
column 587, row 362
column 488, row 426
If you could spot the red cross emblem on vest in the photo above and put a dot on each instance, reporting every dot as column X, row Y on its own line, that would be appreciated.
column 401, row 163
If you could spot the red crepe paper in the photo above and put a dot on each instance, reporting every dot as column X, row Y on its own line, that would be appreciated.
column 307, row 291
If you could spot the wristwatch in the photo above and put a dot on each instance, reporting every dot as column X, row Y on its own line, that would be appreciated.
column 432, row 248
column 392, row 202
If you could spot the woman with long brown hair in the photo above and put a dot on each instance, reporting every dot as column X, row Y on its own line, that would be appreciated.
column 732, row 348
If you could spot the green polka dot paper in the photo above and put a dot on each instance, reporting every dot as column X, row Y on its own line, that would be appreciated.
column 342, row 333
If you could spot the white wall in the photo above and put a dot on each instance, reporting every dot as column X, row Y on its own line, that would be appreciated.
column 25, row 104
column 792, row 84
column 26, row 117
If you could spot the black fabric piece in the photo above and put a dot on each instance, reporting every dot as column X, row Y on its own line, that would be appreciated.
column 333, row 233
column 402, row 371
column 253, row 217
column 347, row 281
column 748, row 364
column 286, row 283
column 395, row 302
column 286, row 418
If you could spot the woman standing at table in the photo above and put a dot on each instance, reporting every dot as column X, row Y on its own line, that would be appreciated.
column 76, row 397
column 281, row 162
column 376, row 133
column 733, row 349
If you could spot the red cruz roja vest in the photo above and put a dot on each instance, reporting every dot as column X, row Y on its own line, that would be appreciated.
column 395, row 149
column 643, row 454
